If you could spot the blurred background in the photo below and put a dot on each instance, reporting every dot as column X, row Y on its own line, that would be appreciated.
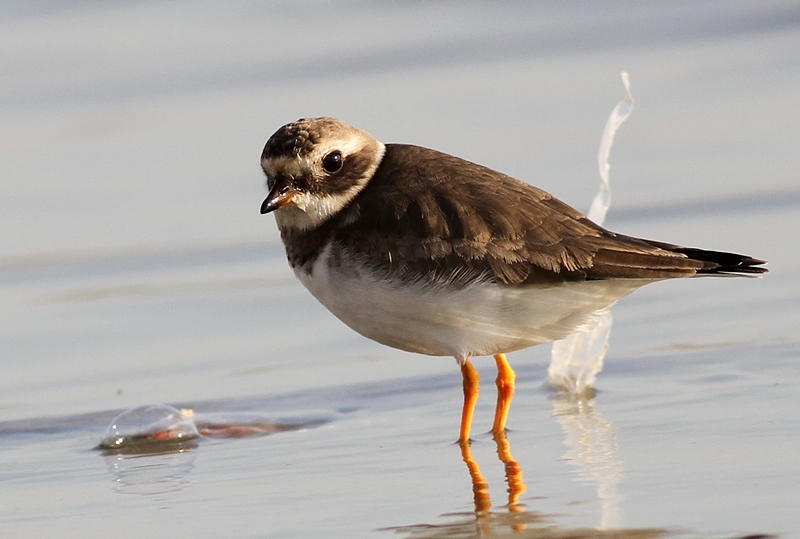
column 140, row 124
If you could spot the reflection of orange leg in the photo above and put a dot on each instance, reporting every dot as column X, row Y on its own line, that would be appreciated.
column 505, row 392
column 471, row 389
column 480, row 488
column 516, row 483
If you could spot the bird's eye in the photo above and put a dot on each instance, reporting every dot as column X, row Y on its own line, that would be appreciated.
column 332, row 162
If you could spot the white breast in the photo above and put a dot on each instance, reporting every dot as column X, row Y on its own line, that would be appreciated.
column 479, row 319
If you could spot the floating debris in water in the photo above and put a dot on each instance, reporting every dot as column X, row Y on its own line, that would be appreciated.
column 158, row 428
column 242, row 424
column 153, row 428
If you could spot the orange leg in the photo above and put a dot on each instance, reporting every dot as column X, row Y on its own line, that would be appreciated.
column 471, row 389
column 505, row 392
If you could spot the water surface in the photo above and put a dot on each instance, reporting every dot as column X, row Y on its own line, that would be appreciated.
column 135, row 269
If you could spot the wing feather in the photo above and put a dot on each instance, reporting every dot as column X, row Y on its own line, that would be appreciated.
column 449, row 213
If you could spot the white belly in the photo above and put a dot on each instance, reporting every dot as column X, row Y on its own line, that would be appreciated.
column 480, row 319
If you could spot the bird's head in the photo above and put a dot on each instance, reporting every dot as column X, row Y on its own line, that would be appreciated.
column 314, row 168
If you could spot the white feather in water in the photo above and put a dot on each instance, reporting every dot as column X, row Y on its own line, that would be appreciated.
column 576, row 360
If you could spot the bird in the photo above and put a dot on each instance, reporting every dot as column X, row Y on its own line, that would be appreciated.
column 429, row 253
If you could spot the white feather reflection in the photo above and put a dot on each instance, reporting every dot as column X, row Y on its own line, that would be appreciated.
column 593, row 449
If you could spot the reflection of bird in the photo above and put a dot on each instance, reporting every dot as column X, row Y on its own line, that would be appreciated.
column 428, row 253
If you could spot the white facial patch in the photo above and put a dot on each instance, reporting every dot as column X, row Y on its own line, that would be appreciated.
column 309, row 210
column 287, row 166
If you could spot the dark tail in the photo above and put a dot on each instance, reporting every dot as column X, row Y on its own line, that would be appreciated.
column 717, row 262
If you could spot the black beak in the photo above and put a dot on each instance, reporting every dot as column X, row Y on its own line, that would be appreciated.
column 280, row 195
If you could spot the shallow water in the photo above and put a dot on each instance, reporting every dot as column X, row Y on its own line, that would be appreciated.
column 136, row 269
